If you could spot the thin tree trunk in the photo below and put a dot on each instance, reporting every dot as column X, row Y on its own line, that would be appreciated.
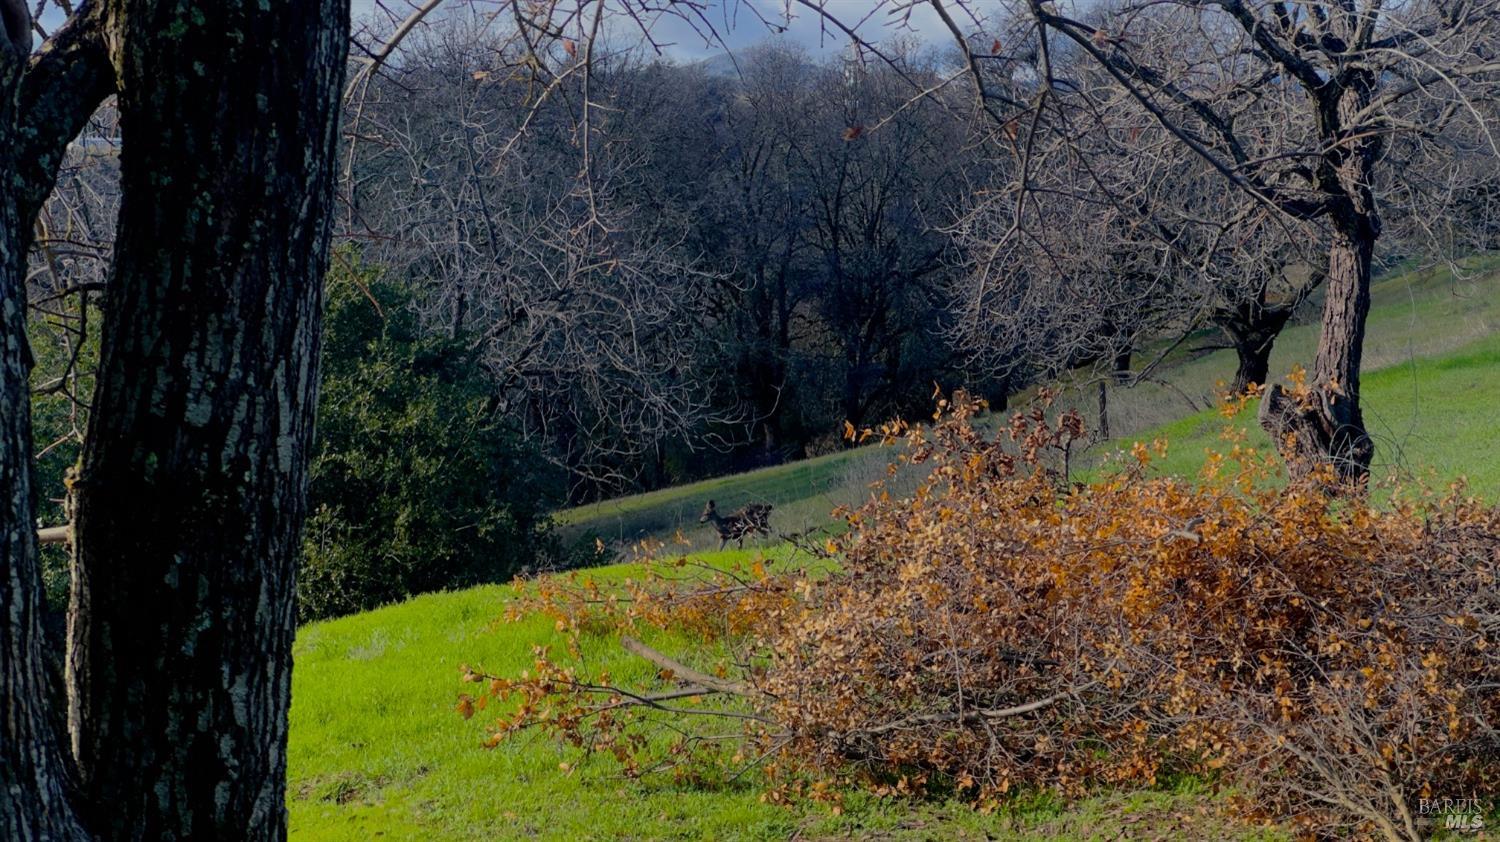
column 762, row 372
column 35, row 784
column 852, row 402
column 37, row 118
column 191, row 497
column 1103, row 431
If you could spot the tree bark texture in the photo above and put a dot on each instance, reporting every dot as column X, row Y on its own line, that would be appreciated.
column 1252, row 329
column 1330, row 429
column 37, row 785
column 190, row 499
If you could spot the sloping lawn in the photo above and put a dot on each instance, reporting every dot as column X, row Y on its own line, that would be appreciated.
column 803, row 492
column 1433, row 420
column 377, row 751
column 1416, row 315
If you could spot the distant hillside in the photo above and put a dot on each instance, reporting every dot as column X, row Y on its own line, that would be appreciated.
column 722, row 65
column 1422, row 401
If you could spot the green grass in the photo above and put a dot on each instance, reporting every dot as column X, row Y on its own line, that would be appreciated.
column 803, row 493
column 1433, row 421
column 377, row 750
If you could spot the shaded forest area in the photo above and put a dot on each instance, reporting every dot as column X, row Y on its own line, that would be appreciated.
column 666, row 272
column 556, row 284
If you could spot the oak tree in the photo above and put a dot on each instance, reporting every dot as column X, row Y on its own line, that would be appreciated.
column 1295, row 105
column 189, row 497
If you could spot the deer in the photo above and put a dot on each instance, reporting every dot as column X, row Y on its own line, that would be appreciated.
column 747, row 521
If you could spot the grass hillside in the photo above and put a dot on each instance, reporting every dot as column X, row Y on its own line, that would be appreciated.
column 1433, row 419
column 1418, row 319
column 377, row 750
column 1415, row 317
column 803, row 493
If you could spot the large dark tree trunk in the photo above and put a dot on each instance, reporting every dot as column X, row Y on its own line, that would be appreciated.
column 35, row 785
column 1341, row 343
column 192, row 492
column 1254, row 361
column 1327, row 426
column 191, row 495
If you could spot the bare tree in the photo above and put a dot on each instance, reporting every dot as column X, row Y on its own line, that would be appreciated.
column 1294, row 105
column 756, row 219
column 1298, row 109
column 877, row 204
column 754, row 230
column 537, row 227
column 68, row 267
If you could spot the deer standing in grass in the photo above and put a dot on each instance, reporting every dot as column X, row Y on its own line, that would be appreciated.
column 747, row 521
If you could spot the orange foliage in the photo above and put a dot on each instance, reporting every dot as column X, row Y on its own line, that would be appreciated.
column 1003, row 628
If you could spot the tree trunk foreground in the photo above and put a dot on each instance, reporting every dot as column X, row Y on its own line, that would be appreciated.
column 34, row 776
column 37, row 788
column 191, row 493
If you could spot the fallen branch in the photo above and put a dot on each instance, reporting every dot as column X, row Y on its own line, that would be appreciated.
column 630, row 698
column 682, row 672
column 55, row 535
column 966, row 717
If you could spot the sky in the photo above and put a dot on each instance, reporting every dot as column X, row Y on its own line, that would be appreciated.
column 739, row 26
column 735, row 21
